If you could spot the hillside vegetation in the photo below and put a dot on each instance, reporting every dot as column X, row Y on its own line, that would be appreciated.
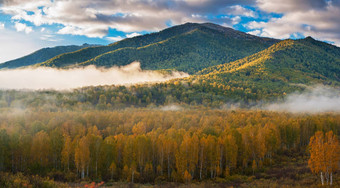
column 41, row 56
column 189, row 48
column 285, row 67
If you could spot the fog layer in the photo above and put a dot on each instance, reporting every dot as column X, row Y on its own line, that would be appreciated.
column 313, row 100
column 58, row 79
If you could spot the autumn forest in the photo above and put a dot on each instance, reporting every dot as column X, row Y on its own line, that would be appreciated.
column 151, row 146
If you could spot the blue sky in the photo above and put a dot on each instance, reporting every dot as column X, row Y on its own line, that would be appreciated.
column 28, row 25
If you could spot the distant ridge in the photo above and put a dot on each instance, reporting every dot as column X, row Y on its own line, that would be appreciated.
column 41, row 56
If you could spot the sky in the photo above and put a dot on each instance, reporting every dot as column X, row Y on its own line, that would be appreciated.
column 28, row 25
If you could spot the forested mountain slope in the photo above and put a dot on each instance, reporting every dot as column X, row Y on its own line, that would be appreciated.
column 289, row 60
column 280, row 69
column 283, row 68
column 189, row 47
column 41, row 56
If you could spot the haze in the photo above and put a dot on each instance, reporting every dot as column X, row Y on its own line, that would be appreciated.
column 60, row 79
column 314, row 100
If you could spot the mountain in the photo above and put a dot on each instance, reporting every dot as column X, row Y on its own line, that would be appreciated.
column 190, row 47
column 265, row 77
column 294, row 61
column 284, row 67
column 41, row 56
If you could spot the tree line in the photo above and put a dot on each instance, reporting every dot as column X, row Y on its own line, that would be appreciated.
column 150, row 146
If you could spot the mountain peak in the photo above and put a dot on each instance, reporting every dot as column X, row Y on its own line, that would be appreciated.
column 212, row 25
column 310, row 38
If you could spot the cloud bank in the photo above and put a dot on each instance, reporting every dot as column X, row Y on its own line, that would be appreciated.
column 94, row 18
column 314, row 100
column 317, row 18
column 58, row 79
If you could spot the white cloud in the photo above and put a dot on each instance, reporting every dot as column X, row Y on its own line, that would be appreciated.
column 255, row 32
column 286, row 6
column 123, row 15
column 132, row 35
column 119, row 38
column 115, row 39
column 274, row 28
column 23, row 27
column 51, row 38
column 226, row 25
column 318, row 18
column 236, row 20
column 14, row 44
column 91, row 32
column 238, row 10
column 2, row 25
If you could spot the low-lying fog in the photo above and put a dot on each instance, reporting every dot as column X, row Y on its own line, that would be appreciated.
column 59, row 79
column 313, row 100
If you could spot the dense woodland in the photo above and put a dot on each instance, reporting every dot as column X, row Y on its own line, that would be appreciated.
column 283, row 68
column 117, row 97
column 41, row 56
column 144, row 146
column 189, row 47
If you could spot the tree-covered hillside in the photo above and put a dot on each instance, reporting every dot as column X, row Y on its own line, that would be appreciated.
column 41, row 56
column 267, row 76
column 290, row 61
column 278, row 70
column 190, row 48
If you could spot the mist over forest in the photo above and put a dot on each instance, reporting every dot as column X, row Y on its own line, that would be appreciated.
column 68, row 79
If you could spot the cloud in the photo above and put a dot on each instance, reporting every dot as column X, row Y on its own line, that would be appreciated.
column 238, row 10
column 94, row 18
column 23, row 27
column 280, row 6
column 2, row 25
column 14, row 44
column 318, row 18
column 119, row 38
column 77, row 17
column 91, row 32
column 236, row 20
column 314, row 100
column 255, row 32
column 115, row 39
column 49, row 78
column 51, row 38
column 132, row 35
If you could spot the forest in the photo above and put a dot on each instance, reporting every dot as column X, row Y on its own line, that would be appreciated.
column 42, row 148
